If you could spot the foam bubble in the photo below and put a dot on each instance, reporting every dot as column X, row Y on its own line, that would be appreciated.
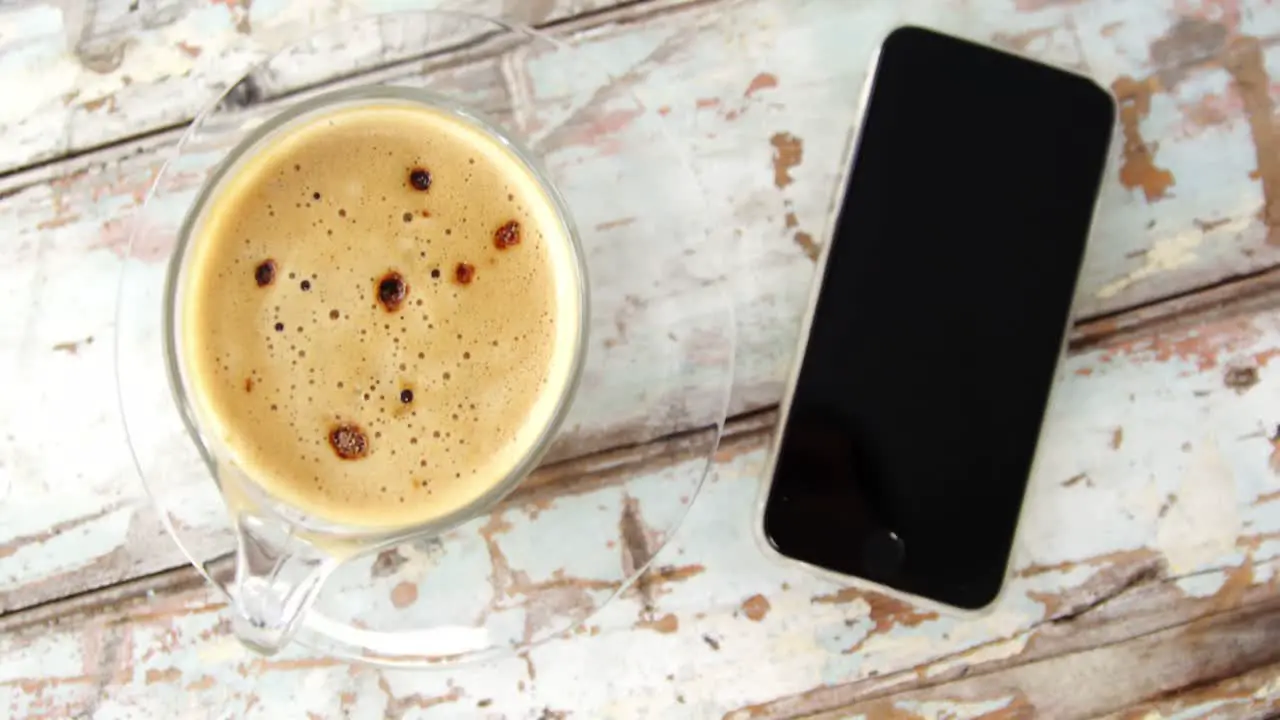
column 443, row 381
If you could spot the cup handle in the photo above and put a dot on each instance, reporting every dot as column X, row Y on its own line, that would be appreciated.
column 278, row 575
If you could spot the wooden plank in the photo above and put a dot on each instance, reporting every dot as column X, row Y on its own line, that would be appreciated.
column 775, row 72
column 717, row 629
column 1255, row 694
column 1119, row 677
column 1187, row 116
column 1133, row 608
column 1151, row 431
column 101, row 71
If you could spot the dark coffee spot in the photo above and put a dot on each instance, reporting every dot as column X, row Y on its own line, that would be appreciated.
column 406, row 396
column 315, row 196
column 420, row 179
column 248, row 384
column 265, row 273
column 464, row 273
column 507, row 235
column 279, row 327
column 349, row 441
column 435, row 272
column 334, row 314
column 408, row 217
column 392, row 291
column 306, row 285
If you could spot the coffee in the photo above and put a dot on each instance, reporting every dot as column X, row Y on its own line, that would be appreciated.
column 380, row 314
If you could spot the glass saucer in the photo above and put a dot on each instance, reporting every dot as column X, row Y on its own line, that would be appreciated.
column 644, row 425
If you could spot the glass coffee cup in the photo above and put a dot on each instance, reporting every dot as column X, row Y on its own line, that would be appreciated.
column 290, row 534
column 635, row 441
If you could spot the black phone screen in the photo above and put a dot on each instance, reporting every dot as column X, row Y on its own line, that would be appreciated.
column 940, row 319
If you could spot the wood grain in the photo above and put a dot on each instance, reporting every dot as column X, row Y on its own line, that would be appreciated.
column 65, row 235
column 1152, row 527
column 982, row 681
column 102, row 71
column 1253, row 694
column 1129, row 677
column 686, row 643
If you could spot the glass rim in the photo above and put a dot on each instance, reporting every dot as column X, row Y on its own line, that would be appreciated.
column 274, row 506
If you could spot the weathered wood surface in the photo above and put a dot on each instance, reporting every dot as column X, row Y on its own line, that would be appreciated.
column 1102, row 680
column 717, row 630
column 1186, row 206
column 81, row 74
column 1101, row 585
column 761, row 135
column 1156, row 502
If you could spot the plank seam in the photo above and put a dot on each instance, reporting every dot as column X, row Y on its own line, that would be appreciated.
column 995, row 666
column 627, row 12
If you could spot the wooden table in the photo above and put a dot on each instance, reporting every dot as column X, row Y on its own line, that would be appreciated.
column 1146, row 581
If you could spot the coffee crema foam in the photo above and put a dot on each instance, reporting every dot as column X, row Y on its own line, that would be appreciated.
column 380, row 313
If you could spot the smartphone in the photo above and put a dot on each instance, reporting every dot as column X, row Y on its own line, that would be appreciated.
column 938, row 320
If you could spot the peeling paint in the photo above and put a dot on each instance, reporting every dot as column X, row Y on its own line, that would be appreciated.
column 763, row 81
column 1206, row 521
column 595, row 131
column 805, row 242
column 884, row 611
column 168, row 675
column 755, row 607
column 788, row 152
column 1138, row 168
column 1244, row 60
column 1165, row 254
column 161, row 56
column 404, row 594
column 1240, row 378
column 666, row 624
column 709, row 578
column 1021, row 41
column 1190, row 41
column 981, row 655
column 954, row 709
column 1200, row 346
